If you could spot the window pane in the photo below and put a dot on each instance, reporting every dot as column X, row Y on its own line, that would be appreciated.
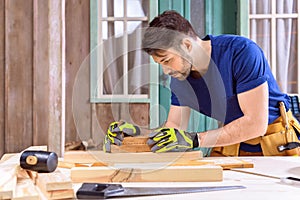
column 112, row 8
column 112, row 29
column 138, row 68
column 118, row 8
column 287, row 57
column 137, row 8
column 260, row 6
column 286, row 6
column 113, row 66
column 260, row 32
column 113, row 51
column 104, row 8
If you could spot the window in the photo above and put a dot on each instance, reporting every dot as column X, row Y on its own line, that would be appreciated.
column 274, row 25
column 120, row 70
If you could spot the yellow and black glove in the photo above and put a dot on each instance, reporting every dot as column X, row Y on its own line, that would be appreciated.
column 172, row 140
column 116, row 133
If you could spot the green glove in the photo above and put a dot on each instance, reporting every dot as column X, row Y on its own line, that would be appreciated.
column 172, row 140
column 118, row 130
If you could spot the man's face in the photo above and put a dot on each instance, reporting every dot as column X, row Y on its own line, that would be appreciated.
column 173, row 64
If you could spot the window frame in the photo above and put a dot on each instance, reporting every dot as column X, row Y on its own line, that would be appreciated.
column 244, row 17
column 96, row 67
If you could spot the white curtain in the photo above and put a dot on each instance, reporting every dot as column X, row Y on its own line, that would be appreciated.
column 286, row 39
column 113, row 48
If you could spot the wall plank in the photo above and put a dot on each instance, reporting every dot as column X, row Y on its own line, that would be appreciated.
column 18, row 86
column 2, row 77
column 40, row 73
column 77, row 50
column 56, row 42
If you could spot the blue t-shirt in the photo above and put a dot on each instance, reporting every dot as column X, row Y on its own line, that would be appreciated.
column 237, row 65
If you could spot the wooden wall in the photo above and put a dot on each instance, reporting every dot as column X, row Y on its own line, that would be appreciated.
column 24, row 85
column 24, row 77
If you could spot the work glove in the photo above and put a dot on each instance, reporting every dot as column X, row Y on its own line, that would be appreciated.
column 172, row 140
column 116, row 133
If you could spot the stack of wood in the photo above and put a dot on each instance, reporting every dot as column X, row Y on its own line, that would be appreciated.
column 17, row 183
column 55, row 185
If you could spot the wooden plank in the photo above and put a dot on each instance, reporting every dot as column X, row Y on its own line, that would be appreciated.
column 18, row 73
column 2, row 76
column 56, row 41
column 77, row 68
column 145, row 157
column 40, row 73
column 224, row 162
column 55, row 185
column 25, row 188
column 8, row 182
column 53, row 181
column 148, row 174
column 60, row 194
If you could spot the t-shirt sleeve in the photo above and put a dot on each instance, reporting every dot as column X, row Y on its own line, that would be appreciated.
column 249, row 68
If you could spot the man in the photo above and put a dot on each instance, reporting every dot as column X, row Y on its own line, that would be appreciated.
column 226, row 77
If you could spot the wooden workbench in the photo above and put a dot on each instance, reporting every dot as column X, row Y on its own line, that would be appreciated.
column 257, row 187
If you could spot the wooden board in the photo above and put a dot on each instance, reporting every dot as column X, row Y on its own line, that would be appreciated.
column 7, row 190
column 145, row 157
column 53, row 181
column 60, row 194
column 224, row 162
column 148, row 174
column 25, row 188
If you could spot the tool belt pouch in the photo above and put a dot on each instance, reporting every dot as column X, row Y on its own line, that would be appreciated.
column 269, row 143
column 276, row 136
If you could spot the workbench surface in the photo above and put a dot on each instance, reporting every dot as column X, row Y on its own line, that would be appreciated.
column 257, row 187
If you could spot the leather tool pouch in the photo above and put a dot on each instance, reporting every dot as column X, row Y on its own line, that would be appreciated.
column 277, row 135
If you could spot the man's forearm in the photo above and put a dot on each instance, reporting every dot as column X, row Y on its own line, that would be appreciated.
column 237, row 131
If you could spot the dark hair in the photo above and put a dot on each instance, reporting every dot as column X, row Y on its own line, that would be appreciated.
column 165, row 31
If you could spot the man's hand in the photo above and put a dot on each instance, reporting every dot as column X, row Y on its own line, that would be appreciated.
column 172, row 140
column 118, row 130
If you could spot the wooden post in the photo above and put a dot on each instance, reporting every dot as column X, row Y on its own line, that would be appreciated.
column 2, row 76
column 56, row 39
column 18, row 75
column 40, row 73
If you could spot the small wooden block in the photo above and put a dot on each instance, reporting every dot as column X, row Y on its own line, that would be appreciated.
column 55, row 185
column 132, row 145
column 53, row 181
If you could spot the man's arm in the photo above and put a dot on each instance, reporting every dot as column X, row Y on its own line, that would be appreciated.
column 178, row 117
column 254, row 105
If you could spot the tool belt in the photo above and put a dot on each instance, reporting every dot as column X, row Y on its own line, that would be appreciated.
column 282, row 131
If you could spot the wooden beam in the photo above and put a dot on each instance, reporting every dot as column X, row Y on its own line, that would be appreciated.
column 18, row 75
column 53, row 181
column 55, row 185
column 2, row 77
column 145, row 157
column 40, row 72
column 148, row 174
column 78, row 71
column 25, row 188
column 56, row 20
